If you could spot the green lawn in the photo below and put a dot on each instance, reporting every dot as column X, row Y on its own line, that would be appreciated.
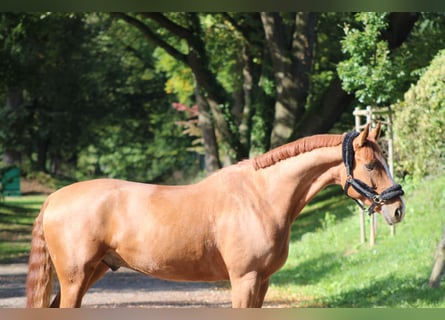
column 327, row 265
column 16, row 218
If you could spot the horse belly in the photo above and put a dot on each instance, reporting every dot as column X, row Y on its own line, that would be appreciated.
column 171, row 251
column 177, row 264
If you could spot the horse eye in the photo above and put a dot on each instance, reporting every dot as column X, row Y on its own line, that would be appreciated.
column 371, row 165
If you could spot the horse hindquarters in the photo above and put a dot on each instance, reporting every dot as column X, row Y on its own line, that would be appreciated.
column 40, row 274
column 75, row 277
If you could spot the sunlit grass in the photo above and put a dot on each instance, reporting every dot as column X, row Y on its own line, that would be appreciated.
column 17, row 216
column 328, row 266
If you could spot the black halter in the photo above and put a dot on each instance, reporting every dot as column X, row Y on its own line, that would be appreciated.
column 361, row 187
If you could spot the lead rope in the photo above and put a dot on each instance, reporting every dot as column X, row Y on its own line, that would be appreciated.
column 359, row 186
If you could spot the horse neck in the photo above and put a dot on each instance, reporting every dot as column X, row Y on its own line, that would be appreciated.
column 292, row 183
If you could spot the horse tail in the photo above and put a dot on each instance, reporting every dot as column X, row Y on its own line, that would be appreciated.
column 40, row 274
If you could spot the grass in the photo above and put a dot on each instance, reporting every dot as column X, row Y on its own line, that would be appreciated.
column 327, row 265
column 17, row 216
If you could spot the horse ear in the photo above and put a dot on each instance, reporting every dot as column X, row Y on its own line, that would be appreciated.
column 375, row 133
column 361, row 139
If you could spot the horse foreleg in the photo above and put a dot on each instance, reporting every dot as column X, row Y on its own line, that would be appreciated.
column 245, row 290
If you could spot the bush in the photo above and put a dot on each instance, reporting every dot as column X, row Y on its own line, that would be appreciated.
column 419, row 124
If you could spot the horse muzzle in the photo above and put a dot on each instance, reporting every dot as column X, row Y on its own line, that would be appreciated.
column 393, row 212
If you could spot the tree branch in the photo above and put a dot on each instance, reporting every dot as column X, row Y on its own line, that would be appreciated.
column 236, row 25
column 171, row 26
column 150, row 35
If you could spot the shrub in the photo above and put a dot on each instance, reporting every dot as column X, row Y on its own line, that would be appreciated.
column 419, row 124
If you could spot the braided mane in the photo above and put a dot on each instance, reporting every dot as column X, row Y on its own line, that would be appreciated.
column 295, row 148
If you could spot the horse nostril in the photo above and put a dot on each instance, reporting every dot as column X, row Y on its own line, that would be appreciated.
column 398, row 213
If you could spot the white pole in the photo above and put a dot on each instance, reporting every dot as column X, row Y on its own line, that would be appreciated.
column 358, row 113
column 390, row 138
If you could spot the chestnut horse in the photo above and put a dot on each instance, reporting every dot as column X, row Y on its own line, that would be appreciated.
column 234, row 225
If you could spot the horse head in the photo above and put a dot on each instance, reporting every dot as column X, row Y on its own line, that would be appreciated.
column 367, row 178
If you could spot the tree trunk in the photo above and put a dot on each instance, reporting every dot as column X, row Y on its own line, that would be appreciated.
column 439, row 264
column 205, row 122
column 42, row 153
column 292, row 56
column 324, row 115
column 14, row 100
column 217, row 98
column 242, row 109
column 400, row 26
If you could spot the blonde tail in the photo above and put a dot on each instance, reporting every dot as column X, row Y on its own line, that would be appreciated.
column 40, row 275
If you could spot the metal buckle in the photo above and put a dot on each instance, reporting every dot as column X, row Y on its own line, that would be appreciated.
column 376, row 199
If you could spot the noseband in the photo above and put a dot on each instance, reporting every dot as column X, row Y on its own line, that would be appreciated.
column 361, row 187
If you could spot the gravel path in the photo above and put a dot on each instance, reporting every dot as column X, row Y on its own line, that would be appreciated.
column 123, row 288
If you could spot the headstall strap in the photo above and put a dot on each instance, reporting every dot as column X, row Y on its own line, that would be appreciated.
column 361, row 187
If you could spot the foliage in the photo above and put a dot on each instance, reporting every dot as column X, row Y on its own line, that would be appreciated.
column 179, row 77
column 93, row 101
column 96, row 96
column 368, row 72
column 377, row 74
column 43, row 46
column 416, row 53
column 190, row 126
column 419, row 124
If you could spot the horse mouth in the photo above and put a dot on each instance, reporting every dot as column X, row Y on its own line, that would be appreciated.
column 388, row 219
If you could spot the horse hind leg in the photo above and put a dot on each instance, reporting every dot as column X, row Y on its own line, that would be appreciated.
column 73, row 284
column 98, row 273
column 75, row 280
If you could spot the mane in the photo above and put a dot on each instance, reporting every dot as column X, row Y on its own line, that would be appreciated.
column 296, row 148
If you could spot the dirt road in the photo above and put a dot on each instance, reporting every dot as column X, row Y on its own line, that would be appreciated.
column 124, row 288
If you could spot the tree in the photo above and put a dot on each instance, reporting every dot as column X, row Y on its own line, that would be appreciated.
column 291, row 43
column 36, row 47
column 370, row 71
column 269, row 88
column 134, row 135
column 88, row 103
column 97, row 82
column 387, row 53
